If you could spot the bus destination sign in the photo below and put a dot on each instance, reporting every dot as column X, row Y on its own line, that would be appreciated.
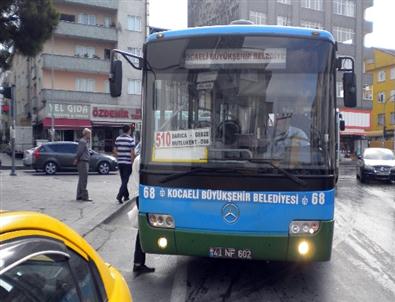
column 270, row 58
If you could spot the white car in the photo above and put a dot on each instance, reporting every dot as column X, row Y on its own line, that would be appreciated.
column 28, row 157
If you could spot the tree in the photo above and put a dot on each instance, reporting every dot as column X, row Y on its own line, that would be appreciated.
column 24, row 27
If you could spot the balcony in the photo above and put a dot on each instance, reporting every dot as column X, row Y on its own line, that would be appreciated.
column 77, row 64
column 105, row 4
column 76, row 97
column 83, row 31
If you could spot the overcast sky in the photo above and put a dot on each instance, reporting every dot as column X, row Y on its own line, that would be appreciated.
column 172, row 14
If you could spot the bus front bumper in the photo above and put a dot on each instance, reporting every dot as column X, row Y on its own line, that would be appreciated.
column 260, row 246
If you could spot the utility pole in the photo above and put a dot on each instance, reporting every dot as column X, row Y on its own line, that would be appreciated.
column 9, row 93
column 51, row 105
column 12, row 130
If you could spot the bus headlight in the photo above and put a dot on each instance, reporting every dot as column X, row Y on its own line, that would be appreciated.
column 303, row 227
column 303, row 248
column 162, row 242
column 161, row 221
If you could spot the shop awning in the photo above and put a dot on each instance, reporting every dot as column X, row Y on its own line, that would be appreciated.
column 114, row 123
column 375, row 133
column 66, row 124
column 354, row 132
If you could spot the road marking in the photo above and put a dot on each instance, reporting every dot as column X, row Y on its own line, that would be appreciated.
column 179, row 288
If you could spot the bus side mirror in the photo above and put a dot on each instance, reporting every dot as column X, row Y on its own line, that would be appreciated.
column 342, row 125
column 116, row 78
column 350, row 89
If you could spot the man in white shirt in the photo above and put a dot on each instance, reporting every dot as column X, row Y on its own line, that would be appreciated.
column 139, row 256
column 124, row 150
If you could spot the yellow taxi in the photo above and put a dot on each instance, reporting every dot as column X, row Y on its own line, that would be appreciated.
column 42, row 259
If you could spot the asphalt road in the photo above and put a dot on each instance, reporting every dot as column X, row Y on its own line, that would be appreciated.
column 362, row 266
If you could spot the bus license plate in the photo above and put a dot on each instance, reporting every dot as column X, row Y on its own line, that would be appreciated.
column 229, row 252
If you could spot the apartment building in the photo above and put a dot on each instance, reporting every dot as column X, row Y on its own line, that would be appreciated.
column 344, row 18
column 382, row 69
column 66, row 87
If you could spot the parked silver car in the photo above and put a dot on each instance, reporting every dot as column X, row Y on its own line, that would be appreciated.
column 59, row 156
column 376, row 163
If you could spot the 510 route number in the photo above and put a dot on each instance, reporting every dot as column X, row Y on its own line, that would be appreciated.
column 162, row 139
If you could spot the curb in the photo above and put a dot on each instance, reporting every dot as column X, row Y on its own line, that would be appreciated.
column 16, row 168
column 115, row 213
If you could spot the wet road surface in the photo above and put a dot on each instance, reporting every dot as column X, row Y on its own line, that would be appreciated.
column 362, row 267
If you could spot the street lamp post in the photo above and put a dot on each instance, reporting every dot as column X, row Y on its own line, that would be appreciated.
column 12, row 130
column 51, row 105
column 384, row 121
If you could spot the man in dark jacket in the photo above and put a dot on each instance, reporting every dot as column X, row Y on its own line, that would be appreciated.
column 82, row 161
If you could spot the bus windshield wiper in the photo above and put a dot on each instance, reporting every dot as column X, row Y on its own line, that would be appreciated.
column 285, row 172
column 195, row 170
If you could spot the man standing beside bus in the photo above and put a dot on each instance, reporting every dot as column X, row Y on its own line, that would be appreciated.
column 139, row 266
column 124, row 150
column 82, row 161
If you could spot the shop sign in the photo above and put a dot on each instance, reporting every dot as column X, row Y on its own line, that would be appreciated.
column 69, row 111
column 114, row 114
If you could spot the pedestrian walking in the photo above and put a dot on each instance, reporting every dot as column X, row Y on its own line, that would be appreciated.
column 124, row 150
column 82, row 161
column 139, row 256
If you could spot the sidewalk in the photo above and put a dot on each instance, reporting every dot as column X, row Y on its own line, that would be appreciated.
column 55, row 196
column 6, row 162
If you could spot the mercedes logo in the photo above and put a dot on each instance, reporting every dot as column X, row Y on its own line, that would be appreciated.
column 230, row 213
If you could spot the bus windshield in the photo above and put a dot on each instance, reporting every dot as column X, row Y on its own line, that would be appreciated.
column 242, row 100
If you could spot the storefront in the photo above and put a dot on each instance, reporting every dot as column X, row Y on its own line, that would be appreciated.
column 354, row 139
column 107, row 122
column 67, row 119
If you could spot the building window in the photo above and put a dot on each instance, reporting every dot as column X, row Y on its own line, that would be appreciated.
column 67, row 18
column 85, row 51
column 258, row 17
column 284, row 1
column 86, row 85
column 380, row 119
column 134, row 87
column 310, row 24
column 392, row 73
column 344, row 7
column 339, row 89
column 312, row 4
column 107, row 21
column 107, row 54
column 392, row 96
column 135, row 51
column 106, row 86
column 87, row 19
column 367, row 93
column 347, row 64
column 282, row 20
column 392, row 118
column 381, row 76
column 344, row 35
column 134, row 23
column 381, row 97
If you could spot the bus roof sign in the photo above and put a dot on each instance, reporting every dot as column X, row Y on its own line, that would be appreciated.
column 270, row 58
